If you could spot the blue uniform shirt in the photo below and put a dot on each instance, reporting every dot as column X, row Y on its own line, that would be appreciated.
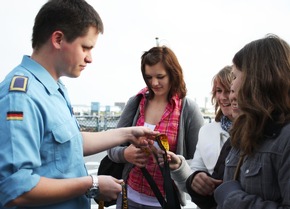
column 39, row 135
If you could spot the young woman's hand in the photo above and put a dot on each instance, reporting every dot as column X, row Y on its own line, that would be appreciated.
column 173, row 159
column 136, row 156
column 204, row 184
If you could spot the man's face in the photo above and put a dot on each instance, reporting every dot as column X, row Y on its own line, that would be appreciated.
column 74, row 56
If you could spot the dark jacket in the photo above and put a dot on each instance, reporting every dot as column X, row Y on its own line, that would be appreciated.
column 208, row 202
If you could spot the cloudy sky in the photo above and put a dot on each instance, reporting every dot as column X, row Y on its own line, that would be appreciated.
column 204, row 34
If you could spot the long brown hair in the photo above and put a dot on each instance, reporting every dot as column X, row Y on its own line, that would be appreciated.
column 264, row 95
column 170, row 62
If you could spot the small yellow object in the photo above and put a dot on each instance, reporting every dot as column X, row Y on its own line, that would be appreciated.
column 163, row 140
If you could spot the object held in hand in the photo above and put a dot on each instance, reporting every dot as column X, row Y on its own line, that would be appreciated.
column 124, row 198
column 171, row 199
column 162, row 141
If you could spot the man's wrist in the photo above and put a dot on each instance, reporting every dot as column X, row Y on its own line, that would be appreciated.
column 95, row 180
column 93, row 191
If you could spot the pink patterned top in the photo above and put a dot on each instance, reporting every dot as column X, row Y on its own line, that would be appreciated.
column 168, row 125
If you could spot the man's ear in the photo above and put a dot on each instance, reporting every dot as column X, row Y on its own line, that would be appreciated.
column 56, row 38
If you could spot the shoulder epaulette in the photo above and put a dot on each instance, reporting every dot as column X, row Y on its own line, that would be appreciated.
column 19, row 83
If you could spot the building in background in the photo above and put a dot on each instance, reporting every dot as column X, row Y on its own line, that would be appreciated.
column 97, row 109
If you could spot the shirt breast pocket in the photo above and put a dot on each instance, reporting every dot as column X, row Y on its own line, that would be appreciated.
column 253, row 180
column 67, row 146
column 252, row 170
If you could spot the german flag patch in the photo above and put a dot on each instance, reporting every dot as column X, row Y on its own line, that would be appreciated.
column 14, row 116
column 19, row 83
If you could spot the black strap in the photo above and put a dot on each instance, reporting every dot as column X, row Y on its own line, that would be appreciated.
column 153, row 186
column 172, row 200
column 170, row 188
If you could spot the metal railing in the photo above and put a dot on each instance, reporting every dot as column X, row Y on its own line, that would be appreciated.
column 96, row 123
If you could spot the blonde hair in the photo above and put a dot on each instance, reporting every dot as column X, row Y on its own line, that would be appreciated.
column 224, row 78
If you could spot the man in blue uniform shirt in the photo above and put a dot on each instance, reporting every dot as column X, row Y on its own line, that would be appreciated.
column 42, row 147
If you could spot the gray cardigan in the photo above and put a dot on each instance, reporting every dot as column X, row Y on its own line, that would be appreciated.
column 190, row 122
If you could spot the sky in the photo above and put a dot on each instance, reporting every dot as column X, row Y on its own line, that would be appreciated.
column 204, row 34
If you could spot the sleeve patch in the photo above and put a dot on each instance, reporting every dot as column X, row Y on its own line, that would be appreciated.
column 19, row 83
column 14, row 116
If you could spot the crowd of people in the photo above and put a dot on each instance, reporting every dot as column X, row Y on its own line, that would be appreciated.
column 241, row 160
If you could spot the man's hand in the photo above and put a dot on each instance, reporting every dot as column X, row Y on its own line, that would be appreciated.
column 109, row 187
column 142, row 136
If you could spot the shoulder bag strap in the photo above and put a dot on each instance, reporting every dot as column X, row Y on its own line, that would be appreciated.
column 153, row 186
column 171, row 193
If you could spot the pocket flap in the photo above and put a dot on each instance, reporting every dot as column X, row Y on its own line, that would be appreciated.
column 65, row 132
column 253, row 169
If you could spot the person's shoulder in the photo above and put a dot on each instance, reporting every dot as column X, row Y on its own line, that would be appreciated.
column 212, row 124
column 132, row 104
column 286, row 127
column 134, row 99
column 188, row 100
column 190, row 103
column 210, row 127
column 190, row 110
column 16, row 81
column 281, row 135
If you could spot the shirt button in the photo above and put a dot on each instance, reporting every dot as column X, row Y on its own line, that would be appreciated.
column 227, row 161
column 247, row 171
